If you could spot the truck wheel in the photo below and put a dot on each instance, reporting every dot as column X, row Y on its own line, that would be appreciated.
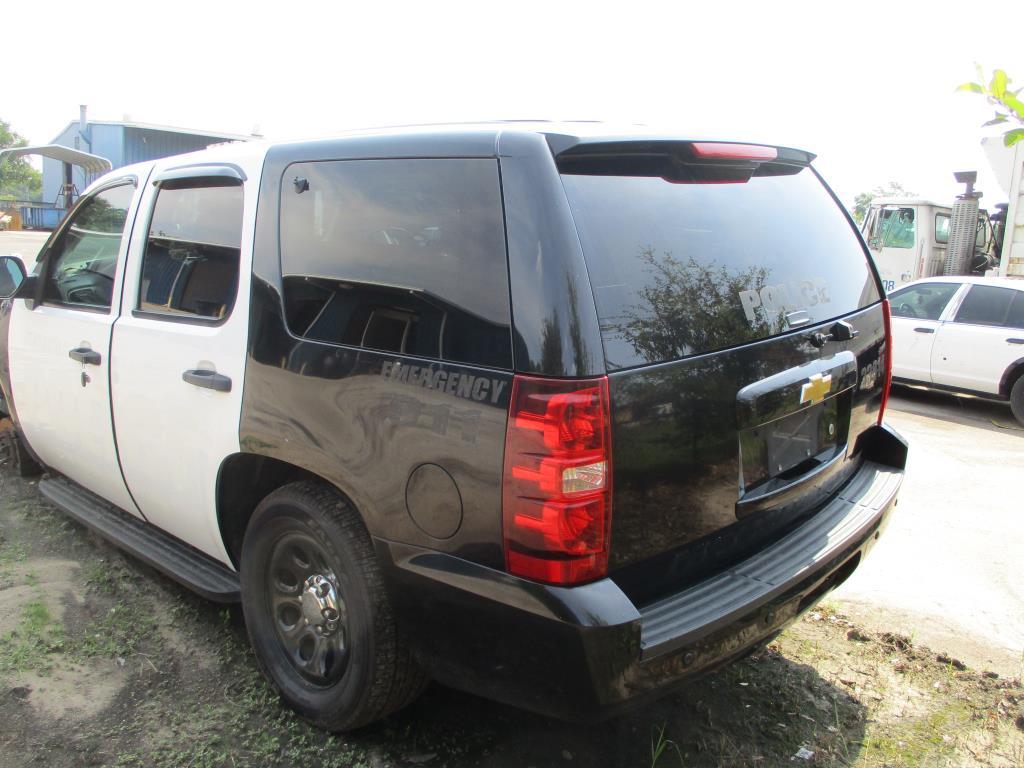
column 13, row 453
column 1017, row 399
column 317, row 612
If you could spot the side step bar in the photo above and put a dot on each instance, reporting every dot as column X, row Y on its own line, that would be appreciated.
column 148, row 543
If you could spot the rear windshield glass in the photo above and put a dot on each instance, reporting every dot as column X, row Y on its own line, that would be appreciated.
column 685, row 267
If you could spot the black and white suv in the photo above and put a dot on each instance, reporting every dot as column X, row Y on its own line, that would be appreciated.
column 551, row 415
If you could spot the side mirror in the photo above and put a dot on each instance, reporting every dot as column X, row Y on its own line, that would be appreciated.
column 12, row 275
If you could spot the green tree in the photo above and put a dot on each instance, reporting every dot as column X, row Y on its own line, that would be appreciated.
column 1008, row 105
column 18, row 179
column 862, row 202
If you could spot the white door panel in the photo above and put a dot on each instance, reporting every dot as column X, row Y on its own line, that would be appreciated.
column 912, row 341
column 972, row 356
column 173, row 435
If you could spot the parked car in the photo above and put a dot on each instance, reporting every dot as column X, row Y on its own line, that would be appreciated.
column 555, row 415
column 962, row 334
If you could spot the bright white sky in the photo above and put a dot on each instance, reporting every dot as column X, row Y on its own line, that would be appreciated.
column 869, row 88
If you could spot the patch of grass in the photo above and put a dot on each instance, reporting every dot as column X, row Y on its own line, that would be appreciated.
column 27, row 647
column 119, row 632
column 928, row 740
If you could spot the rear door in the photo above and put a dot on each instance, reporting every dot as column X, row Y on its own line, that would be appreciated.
column 179, row 350
column 719, row 279
column 974, row 349
column 916, row 311
column 60, row 349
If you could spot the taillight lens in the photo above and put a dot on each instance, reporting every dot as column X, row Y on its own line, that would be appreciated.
column 887, row 371
column 556, row 494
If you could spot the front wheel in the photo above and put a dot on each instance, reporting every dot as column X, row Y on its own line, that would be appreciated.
column 317, row 612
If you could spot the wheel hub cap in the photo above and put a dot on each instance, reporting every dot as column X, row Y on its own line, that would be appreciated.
column 320, row 605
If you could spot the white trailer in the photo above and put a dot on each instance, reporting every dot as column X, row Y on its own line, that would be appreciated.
column 1008, row 164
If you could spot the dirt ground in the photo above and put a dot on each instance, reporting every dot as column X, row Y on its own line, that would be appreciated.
column 105, row 662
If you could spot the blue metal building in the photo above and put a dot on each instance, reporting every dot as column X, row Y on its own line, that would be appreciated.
column 123, row 143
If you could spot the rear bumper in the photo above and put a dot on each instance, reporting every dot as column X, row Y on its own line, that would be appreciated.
column 584, row 653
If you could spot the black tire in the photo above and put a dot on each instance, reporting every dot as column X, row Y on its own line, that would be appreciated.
column 1017, row 399
column 14, row 454
column 367, row 672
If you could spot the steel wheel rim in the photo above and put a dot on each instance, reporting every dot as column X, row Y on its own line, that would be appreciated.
column 307, row 609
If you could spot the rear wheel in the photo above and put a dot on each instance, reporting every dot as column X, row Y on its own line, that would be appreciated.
column 317, row 613
column 1017, row 398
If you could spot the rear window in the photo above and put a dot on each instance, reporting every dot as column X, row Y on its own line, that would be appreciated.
column 707, row 262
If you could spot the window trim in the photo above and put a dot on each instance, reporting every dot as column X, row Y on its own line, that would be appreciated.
column 59, row 234
column 172, row 317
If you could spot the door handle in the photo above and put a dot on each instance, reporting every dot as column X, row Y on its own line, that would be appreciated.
column 207, row 380
column 925, row 330
column 1015, row 341
column 85, row 355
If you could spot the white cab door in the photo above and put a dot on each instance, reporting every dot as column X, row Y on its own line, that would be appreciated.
column 974, row 349
column 60, row 347
column 179, row 349
column 916, row 311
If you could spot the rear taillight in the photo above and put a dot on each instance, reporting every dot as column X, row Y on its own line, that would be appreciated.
column 556, row 494
column 887, row 365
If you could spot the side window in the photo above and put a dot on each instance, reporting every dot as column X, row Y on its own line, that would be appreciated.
column 923, row 302
column 82, row 264
column 190, row 266
column 898, row 228
column 986, row 305
column 404, row 256
column 941, row 227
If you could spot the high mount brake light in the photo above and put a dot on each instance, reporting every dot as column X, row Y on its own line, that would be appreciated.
column 887, row 347
column 706, row 150
column 556, row 491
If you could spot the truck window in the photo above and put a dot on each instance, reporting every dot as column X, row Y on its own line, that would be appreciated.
column 403, row 256
column 897, row 227
column 83, row 262
column 681, row 269
column 941, row 227
column 190, row 267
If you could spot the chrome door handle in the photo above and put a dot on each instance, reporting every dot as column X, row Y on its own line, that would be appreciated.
column 85, row 355
column 207, row 380
column 925, row 330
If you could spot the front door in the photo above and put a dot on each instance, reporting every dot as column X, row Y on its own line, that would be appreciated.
column 915, row 322
column 60, row 348
column 178, row 351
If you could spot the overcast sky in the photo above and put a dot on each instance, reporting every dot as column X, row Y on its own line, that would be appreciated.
column 869, row 88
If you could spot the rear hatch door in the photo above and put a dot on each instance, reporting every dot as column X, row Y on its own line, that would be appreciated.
column 742, row 331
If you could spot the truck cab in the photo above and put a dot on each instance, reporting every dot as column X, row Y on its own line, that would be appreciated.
column 908, row 237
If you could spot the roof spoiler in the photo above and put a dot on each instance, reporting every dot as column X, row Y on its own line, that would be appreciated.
column 565, row 146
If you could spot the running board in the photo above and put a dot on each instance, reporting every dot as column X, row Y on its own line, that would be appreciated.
column 187, row 566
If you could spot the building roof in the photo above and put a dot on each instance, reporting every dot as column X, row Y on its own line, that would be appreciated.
column 163, row 128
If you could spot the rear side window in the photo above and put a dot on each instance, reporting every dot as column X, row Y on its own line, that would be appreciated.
column 707, row 261
column 986, row 305
column 190, row 267
column 403, row 256
column 922, row 302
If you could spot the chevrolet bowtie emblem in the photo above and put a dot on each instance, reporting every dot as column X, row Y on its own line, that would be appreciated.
column 815, row 389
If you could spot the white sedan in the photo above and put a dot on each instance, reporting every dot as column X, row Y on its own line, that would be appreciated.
column 964, row 334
